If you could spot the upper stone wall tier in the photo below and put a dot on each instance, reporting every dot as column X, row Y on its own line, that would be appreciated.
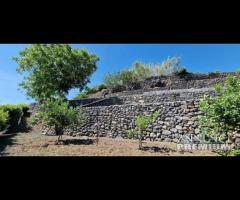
column 147, row 97
column 167, row 83
column 158, row 84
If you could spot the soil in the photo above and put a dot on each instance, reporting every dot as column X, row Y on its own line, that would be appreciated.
column 36, row 144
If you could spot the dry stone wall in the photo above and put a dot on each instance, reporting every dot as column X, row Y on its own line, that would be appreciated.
column 147, row 97
column 177, row 121
column 173, row 83
column 179, row 110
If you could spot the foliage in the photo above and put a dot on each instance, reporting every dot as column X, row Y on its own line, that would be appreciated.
column 140, row 71
column 180, row 72
column 170, row 67
column 222, row 113
column 88, row 91
column 233, row 152
column 95, row 89
column 119, row 79
column 238, row 71
column 3, row 119
column 57, row 114
column 81, row 95
column 15, row 114
column 142, row 122
column 54, row 69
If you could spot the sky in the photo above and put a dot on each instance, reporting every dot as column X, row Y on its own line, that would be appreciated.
column 114, row 57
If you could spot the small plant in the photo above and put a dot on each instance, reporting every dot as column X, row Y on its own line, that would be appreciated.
column 56, row 113
column 142, row 122
column 233, row 152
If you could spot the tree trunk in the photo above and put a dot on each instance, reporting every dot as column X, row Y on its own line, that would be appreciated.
column 140, row 141
column 59, row 132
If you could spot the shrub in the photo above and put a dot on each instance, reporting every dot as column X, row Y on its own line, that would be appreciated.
column 140, row 71
column 57, row 114
column 81, row 95
column 170, row 66
column 222, row 113
column 119, row 79
column 3, row 119
column 88, row 91
column 16, row 115
column 101, row 87
column 95, row 89
column 180, row 72
column 142, row 122
column 233, row 152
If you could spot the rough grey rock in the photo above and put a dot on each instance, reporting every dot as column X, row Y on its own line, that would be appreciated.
column 179, row 127
column 166, row 132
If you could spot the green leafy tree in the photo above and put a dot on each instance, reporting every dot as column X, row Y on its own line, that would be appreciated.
column 142, row 122
column 222, row 113
column 53, row 69
column 58, row 115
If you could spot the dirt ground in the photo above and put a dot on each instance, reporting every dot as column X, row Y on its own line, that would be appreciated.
column 35, row 144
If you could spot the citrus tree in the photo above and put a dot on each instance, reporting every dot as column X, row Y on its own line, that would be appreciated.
column 221, row 114
column 57, row 114
column 142, row 122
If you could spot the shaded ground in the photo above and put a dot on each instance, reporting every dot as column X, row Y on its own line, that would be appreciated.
column 35, row 144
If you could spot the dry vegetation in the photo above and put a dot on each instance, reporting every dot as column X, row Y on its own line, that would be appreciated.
column 35, row 144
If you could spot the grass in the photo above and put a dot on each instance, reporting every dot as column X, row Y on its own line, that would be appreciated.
column 35, row 144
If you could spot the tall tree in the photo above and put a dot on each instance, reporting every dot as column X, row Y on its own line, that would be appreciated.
column 53, row 69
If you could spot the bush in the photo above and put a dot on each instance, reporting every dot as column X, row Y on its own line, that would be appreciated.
column 4, row 117
column 81, row 95
column 222, row 113
column 88, row 91
column 170, row 66
column 180, row 72
column 140, row 71
column 142, row 122
column 95, row 89
column 121, row 78
column 57, row 114
column 16, row 115
column 101, row 87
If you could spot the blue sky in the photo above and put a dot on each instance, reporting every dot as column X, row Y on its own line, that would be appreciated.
column 114, row 57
